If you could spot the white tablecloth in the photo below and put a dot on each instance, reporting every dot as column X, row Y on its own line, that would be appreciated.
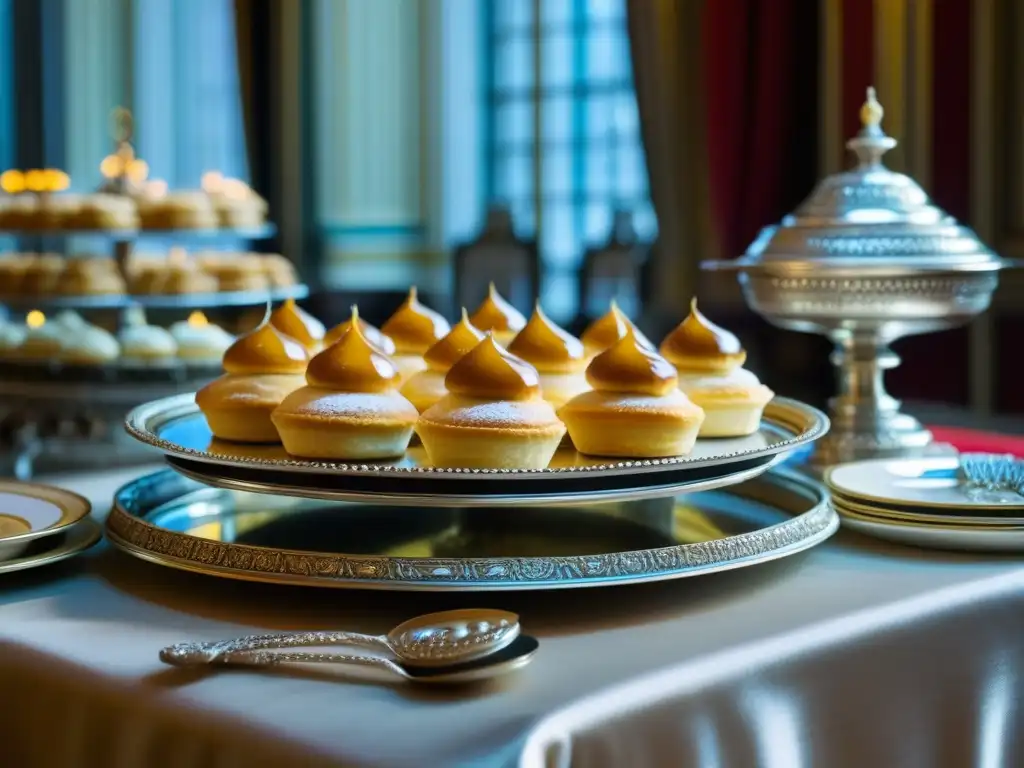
column 621, row 672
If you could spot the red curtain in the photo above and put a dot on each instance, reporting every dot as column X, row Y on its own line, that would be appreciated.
column 760, row 64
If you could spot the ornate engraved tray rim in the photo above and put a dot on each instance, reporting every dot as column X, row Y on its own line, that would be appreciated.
column 804, row 423
column 380, row 572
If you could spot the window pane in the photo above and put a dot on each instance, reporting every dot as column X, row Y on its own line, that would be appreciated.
column 632, row 173
column 605, row 10
column 513, row 178
column 512, row 14
column 513, row 65
column 600, row 118
column 599, row 169
column 557, row 59
column 558, row 245
column 555, row 12
column 607, row 55
column 557, row 172
column 599, row 223
column 559, row 295
column 557, row 119
column 513, row 122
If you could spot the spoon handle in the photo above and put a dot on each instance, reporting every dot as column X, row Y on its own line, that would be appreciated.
column 274, row 658
column 187, row 654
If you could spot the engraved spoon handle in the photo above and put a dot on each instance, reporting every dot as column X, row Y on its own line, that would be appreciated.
column 185, row 654
column 273, row 659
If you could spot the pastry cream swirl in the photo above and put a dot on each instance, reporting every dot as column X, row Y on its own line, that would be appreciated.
column 489, row 372
column 457, row 343
column 352, row 364
column 293, row 321
column 547, row 347
column 608, row 329
column 629, row 366
column 414, row 327
column 698, row 345
column 265, row 350
column 372, row 335
column 496, row 314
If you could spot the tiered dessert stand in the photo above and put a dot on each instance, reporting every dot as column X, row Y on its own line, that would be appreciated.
column 47, row 409
column 254, row 513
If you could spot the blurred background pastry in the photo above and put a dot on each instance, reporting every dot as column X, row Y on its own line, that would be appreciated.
column 43, row 339
column 41, row 274
column 90, row 345
column 104, row 211
column 235, row 203
column 235, row 272
column 183, row 275
column 86, row 275
column 556, row 354
column 414, row 328
column 350, row 408
column 143, row 344
column 12, row 272
column 12, row 335
column 635, row 408
column 493, row 415
column 200, row 341
column 279, row 271
column 709, row 362
column 178, row 210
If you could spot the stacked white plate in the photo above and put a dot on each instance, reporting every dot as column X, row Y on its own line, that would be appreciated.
column 966, row 502
column 40, row 525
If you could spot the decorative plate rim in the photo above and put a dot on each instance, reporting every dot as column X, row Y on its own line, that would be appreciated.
column 815, row 425
column 323, row 569
column 73, row 507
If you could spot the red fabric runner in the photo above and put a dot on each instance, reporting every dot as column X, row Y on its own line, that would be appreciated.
column 973, row 440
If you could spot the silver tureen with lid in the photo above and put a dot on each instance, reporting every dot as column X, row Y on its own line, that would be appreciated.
column 865, row 260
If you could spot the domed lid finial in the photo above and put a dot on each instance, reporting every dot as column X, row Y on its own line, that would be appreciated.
column 871, row 142
column 871, row 113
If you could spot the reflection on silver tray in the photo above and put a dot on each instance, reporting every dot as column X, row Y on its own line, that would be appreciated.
column 157, row 301
column 168, row 519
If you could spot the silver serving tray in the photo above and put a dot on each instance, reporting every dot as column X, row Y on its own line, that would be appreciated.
column 170, row 520
column 175, row 426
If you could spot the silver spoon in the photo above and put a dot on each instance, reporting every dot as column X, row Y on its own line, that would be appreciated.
column 510, row 658
column 432, row 640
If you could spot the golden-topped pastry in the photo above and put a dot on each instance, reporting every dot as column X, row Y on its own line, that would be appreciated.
column 427, row 387
column 350, row 408
column 557, row 355
column 372, row 334
column 697, row 345
column 709, row 362
column 635, row 409
column 260, row 370
column 607, row 330
column 493, row 415
column 414, row 328
column 497, row 317
column 291, row 320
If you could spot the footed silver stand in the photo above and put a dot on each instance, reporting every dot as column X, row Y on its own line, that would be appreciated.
column 865, row 260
